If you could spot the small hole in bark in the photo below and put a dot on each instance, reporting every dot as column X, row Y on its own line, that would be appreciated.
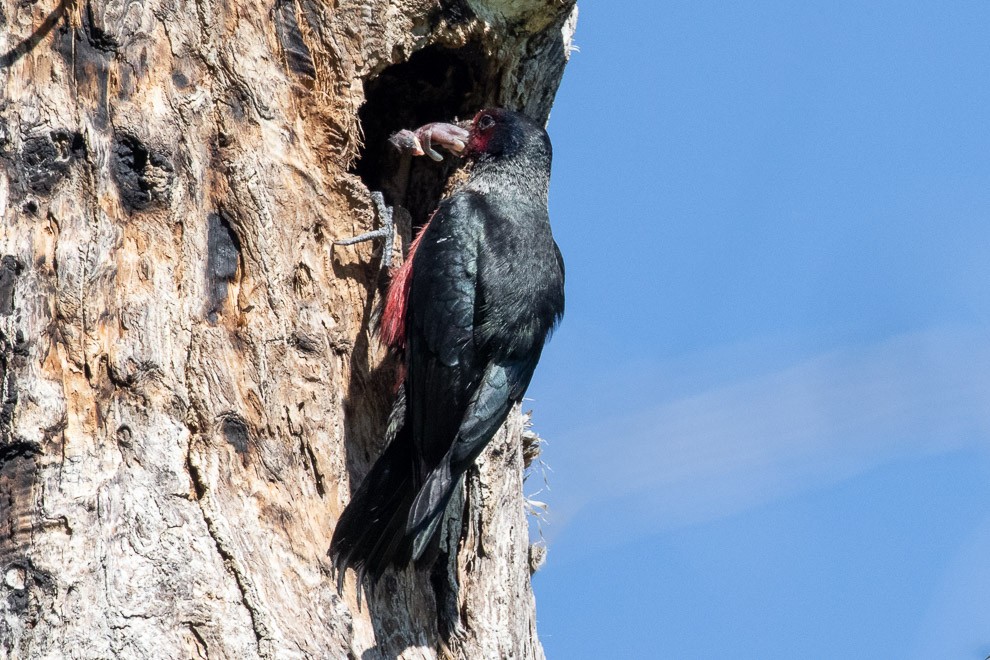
column 124, row 436
column 223, row 260
column 143, row 176
column 45, row 159
column 235, row 431
column 435, row 84
column 10, row 269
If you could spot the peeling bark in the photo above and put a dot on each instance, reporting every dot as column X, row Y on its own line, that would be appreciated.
column 189, row 389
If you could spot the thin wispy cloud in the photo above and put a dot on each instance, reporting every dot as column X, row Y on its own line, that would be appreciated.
column 744, row 443
column 956, row 623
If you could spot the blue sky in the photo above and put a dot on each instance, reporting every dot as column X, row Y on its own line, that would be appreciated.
column 768, row 406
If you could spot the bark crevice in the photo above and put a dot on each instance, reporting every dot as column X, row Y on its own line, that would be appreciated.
column 260, row 632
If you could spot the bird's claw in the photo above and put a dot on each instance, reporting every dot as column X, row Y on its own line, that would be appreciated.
column 420, row 142
column 386, row 231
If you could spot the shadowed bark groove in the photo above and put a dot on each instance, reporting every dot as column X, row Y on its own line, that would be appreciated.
column 189, row 389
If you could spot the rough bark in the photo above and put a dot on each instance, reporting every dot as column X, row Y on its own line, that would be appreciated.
column 189, row 388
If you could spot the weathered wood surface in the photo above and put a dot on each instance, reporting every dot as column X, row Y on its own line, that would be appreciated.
column 188, row 386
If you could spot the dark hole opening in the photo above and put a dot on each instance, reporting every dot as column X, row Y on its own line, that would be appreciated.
column 435, row 84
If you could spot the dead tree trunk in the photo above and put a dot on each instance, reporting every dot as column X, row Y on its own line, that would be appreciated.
column 189, row 389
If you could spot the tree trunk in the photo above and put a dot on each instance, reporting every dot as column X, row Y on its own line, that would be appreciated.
column 189, row 386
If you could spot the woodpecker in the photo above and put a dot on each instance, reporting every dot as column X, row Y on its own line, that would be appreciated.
column 469, row 311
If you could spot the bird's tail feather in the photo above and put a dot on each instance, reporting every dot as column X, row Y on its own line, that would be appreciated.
column 371, row 532
column 426, row 511
column 392, row 518
column 486, row 412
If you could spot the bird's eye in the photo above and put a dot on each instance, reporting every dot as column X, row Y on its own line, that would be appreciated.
column 486, row 122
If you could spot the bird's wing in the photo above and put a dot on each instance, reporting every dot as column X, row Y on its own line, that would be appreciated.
column 499, row 389
column 458, row 390
column 442, row 364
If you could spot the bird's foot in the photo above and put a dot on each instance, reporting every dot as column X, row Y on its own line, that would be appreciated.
column 386, row 231
column 420, row 142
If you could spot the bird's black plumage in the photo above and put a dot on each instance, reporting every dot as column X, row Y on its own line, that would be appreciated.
column 486, row 290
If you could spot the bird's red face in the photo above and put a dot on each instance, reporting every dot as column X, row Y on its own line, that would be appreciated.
column 483, row 129
column 499, row 133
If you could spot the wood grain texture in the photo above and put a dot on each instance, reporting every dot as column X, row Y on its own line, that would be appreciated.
column 188, row 385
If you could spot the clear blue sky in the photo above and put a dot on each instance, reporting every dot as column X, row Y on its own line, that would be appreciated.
column 768, row 406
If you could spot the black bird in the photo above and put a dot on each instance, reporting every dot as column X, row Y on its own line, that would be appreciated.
column 470, row 309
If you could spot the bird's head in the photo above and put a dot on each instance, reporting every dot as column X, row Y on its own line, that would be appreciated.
column 500, row 133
